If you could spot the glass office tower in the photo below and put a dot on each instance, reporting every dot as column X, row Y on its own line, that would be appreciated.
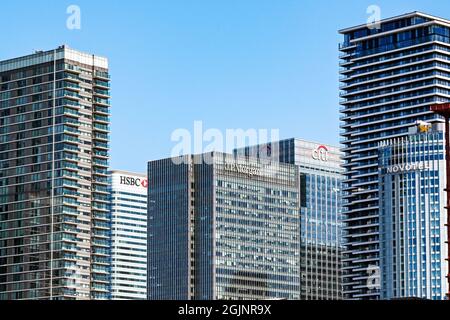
column 128, row 212
column 225, row 228
column 321, row 223
column 54, row 132
column 390, row 76
column 413, row 216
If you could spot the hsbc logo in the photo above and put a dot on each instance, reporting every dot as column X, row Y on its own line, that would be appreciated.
column 321, row 153
column 136, row 182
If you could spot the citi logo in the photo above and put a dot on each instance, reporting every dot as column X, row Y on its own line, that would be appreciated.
column 130, row 181
column 321, row 153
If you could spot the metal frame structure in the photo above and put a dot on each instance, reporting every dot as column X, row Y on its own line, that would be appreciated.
column 443, row 109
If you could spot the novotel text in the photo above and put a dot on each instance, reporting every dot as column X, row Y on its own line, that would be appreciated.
column 407, row 167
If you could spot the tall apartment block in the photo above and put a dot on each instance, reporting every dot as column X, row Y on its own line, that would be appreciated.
column 223, row 227
column 128, row 212
column 412, row 215
column 321, row 223
column 54, row 225
column 391, row 73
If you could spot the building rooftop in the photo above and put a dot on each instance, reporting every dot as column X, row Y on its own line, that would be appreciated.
column 62, row 52
column 407, row 15
column 131, row 173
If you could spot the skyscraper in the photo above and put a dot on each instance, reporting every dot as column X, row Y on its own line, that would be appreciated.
column 224, row 228
column 128, row 211
column 321, row 222
column 54, row 132
column 391, row 74
column 412, row 215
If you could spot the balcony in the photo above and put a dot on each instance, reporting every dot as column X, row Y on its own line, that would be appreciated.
column 101, row 101
column 100, row 83
column 102, row 75
column 402, row 44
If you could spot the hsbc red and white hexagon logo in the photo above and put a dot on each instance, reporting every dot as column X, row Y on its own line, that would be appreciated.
column 136, row 182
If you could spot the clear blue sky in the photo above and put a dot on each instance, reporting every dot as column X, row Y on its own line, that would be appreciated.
column 230, row 63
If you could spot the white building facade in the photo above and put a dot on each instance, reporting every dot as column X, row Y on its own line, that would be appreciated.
column 128, row 207
column 413, row 216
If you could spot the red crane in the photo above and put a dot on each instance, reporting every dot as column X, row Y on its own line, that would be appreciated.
column 443, row 109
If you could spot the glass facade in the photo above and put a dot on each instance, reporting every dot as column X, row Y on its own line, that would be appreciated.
column 321, row 234
column 54, row 133
column 170, row 230
column 390, row 76
column 228, row 229
column 412, row 215
column 128, row 212
column 321, row 224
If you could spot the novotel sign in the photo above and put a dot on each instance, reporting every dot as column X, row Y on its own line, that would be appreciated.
column 135, row 182
column 407, row 167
